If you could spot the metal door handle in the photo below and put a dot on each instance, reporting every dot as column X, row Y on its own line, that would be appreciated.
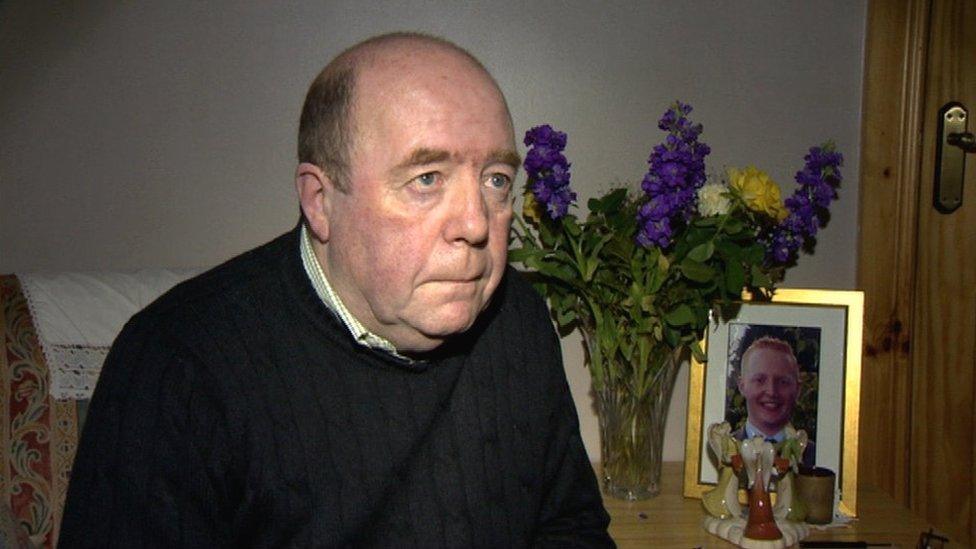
column 950, row 156
column 965, row 141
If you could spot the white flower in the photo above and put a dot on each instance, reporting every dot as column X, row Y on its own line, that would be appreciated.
column 712, row 199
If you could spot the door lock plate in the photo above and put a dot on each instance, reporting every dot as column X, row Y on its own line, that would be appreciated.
column 950, row 167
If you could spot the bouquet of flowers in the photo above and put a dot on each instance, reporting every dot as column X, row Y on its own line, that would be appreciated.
column 640, row 273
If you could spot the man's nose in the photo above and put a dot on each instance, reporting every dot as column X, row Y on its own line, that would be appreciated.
column 468, row 218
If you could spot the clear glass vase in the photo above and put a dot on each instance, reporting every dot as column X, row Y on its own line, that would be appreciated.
column 632, row 432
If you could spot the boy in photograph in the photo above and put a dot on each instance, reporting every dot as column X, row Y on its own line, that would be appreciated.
column 769, row 381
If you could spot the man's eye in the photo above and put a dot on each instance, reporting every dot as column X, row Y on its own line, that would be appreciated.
column 426, row 180
column 499, row 181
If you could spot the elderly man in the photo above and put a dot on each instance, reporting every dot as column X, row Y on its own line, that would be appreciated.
column 769, row 382
column 377, row 376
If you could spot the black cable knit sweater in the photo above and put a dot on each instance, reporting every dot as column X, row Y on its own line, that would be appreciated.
column 236, row 411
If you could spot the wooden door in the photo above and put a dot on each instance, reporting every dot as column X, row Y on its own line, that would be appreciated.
column 918, row 266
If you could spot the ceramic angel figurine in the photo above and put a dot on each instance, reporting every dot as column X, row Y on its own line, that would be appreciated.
column 788, row 506
column 763, row 526
column 723, row 501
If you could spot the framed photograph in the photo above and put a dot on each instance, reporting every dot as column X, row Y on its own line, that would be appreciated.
column 795, row 360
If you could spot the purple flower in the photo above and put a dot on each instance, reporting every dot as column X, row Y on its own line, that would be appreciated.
column 807, row 207
column 548, row 170
column 655, row 233
column 677, row 171
column 545, row 135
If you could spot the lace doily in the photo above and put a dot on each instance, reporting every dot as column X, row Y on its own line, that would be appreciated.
column 74, row 370
column 78, row 315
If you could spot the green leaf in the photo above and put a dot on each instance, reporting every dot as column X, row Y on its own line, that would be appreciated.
column 542, row 288
column 561, row 256
column 735, row 277
column 733, row 226
column 702, row 252
column 564, row 317
column 559, row 272
column 696, row 271
column 730, row 250
column 635, row 292
column 610, row 202
column 708, row 221
column 655, row 280
column 755, row 254
column 571, row 226
column 680, row 316
column 672, row 337
column 520, row 255
column 625, row 345
column 592, row 262
column 759, row 278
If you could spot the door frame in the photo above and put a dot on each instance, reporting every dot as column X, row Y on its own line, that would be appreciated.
column 896, row 44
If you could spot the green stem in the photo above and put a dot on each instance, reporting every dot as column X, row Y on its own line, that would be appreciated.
column 524, row 233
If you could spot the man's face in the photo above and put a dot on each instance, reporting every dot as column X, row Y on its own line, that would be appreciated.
column 770, row 386
column 419, row 243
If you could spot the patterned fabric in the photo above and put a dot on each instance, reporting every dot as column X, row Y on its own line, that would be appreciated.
column 39, row 435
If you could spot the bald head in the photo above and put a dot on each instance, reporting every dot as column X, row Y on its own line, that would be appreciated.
column 327, row 128
column 407, row 163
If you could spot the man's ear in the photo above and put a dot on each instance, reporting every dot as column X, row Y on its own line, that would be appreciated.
column 315, row 196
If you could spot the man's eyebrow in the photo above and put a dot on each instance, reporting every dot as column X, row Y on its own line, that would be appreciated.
column 505, row 156
column 424, row 156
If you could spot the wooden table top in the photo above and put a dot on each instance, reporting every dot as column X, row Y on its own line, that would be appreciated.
column 675, row 521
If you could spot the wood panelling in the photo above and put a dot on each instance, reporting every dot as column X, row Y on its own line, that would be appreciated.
column 891, row 125
column 944, row 350
column 918, row 266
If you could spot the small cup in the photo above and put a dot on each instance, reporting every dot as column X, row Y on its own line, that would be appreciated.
column 815, row 487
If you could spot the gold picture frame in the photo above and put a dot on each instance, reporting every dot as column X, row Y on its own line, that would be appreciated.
column 795, row 305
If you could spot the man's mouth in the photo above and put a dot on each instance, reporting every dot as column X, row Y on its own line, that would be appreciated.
column 459, row 278
column 771, row 406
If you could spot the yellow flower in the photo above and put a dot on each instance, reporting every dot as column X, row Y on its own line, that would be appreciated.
column 757, row 191
column 531, row 208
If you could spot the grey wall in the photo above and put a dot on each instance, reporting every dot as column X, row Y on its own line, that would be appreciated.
column 162, row 133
